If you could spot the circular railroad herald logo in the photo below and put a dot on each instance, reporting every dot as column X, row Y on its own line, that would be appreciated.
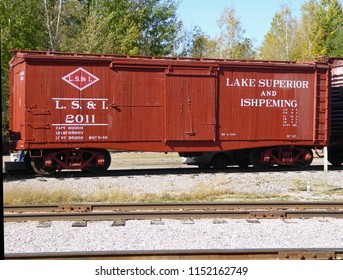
column 80, row 79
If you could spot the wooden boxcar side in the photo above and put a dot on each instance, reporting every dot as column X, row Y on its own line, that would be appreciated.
column 79, row 101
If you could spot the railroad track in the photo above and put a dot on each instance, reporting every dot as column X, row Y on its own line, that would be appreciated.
column 235, row 254
column 153, row 211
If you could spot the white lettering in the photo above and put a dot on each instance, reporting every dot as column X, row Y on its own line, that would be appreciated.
column 268, row 83
column 91, row 105
column 268, row 93
column 80, row 119
column 75, row 104
column 104, row 105
column 283, row 83
column 241, row 83
column 58, row 105
column 269, row 103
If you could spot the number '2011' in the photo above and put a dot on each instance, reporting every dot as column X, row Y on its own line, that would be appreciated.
column 80, row 118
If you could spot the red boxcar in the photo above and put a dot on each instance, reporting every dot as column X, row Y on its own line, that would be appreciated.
column 67, row 109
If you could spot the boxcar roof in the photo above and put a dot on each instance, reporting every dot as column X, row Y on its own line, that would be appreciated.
column 165, row 60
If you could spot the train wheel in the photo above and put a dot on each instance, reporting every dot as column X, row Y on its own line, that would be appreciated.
column 305, row 157
column 44, row 165
column 220, row 161
column 241, row 158
column 336, row 155
column 336, row 161
column 260, row 159
column 98, row 156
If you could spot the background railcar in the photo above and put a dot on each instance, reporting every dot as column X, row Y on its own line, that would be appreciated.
column 336, row 131
column 67, row 109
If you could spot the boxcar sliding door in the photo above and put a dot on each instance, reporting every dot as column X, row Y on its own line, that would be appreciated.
column 191, row 104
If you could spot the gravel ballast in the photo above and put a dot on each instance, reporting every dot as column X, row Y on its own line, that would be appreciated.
column 175, row 234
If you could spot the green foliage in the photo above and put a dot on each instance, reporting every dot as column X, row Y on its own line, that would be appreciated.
column 329, row 26
column 22, row 27
column 140, row 27
column 317, row 33
column 204, row 46
column 279, row 43
column 196, row 44
column 159, row 27
column 334, row 44
column 231, row 43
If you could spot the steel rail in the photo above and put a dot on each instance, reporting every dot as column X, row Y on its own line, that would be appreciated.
column 233, row 254
column 154, row 215
column 173, row 206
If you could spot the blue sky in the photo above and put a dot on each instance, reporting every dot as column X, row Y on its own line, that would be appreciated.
column 255, row 15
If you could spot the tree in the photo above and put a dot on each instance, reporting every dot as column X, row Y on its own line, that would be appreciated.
column 329, row 17
column 53, row 10
column 231, row 43
column 22, row 27
column 306, row 34
column 196, row 43
column 204, row 47
column 158, row 26
column 85, row 26
column 334, row 44
column 144, row 27
column 318, row 33
column 279, row 43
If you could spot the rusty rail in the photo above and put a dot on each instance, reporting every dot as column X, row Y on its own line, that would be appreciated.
column 173, row 206
column 101, row 212
column 234, row 254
